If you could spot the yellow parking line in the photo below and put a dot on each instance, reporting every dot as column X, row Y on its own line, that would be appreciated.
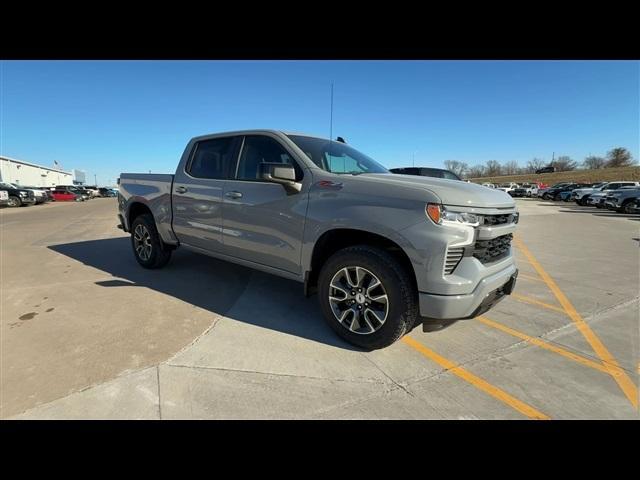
column 542, row 344
column 529, row 277
column 476, row 381
column 533, row 301
column 608, row 360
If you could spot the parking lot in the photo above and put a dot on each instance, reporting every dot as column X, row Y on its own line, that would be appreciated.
column 87, row 333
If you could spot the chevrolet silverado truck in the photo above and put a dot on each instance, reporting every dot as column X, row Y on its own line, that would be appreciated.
column 383, row 251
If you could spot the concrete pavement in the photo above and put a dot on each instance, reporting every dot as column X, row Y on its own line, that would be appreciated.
column 206, row 339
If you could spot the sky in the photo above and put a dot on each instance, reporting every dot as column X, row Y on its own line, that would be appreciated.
column 108, row 117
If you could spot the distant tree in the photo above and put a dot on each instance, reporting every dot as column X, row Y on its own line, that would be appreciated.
column 564, row 164
column 459, row 168
column 593, row 162
column 619, row 157
column 493, row 168
column 510, row 168
column 534, row 164
column 476, row 171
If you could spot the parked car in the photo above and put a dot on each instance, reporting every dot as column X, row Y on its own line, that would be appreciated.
column 597, row 199
column 4, row 198
column 107, row 192
column 426, row 172
column 565, row 196
column 86, row 195
column 18, row 196
column 549, row 169
column 621, row 200
column 324, row 214
column 507, row 187
column 67, row 196
column 489, row 185
column 93, row 190
column 554, row 192
column 518, row 192
column 581, row 195
column 41, row 193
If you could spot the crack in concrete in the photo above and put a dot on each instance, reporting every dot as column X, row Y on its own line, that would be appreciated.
column 309, row 377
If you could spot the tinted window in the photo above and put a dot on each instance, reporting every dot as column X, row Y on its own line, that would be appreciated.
column 211, row 158
column 259, row 149
column 431, row 172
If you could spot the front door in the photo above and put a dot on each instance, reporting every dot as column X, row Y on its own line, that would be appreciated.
column 262, row 221
column 197, row 193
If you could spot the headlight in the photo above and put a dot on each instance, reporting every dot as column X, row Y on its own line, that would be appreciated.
column 23, row 194
column 438, row 214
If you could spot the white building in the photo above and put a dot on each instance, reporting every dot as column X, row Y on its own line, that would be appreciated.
column 32, row 175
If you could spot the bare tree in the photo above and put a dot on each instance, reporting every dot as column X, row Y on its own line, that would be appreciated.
column 534, row 164
column 593, row 161
column 619, row 157
column 510, row 168
column 459, row 168
column 564, row 164
column 493, row 168
column 476, row 171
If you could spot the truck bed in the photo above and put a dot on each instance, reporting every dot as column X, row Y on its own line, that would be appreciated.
column 154, row 191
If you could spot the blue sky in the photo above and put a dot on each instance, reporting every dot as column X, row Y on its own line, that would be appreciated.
column 111, row 116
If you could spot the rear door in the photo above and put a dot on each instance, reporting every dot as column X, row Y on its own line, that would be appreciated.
column 197, row 192
column 262, row 221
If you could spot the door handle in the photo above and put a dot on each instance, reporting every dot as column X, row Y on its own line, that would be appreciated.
column 181, row 189
column 233, row 194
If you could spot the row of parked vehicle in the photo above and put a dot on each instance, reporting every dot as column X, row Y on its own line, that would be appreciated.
column 518, row 189
column 621, row 196
column 13, row 195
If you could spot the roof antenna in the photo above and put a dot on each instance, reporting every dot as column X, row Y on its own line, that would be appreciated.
column 331, row 120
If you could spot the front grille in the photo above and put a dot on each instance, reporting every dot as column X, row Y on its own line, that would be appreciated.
column 454, row 255
column 491, row 250
column 499, row 219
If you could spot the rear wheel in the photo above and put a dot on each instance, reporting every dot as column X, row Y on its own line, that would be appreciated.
column 14, row 201
column 148, row 248
column 367, row 297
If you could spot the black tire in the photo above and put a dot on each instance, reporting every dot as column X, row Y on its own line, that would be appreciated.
column 627, row 207
column 402, row 313
column 14, row 201
column 159, row 253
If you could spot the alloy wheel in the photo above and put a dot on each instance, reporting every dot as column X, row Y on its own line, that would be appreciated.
column 358, row 300
column 142, row 242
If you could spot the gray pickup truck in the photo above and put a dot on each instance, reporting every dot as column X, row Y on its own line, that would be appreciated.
column 383, row 251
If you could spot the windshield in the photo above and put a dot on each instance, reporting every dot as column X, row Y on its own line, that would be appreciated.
column 6, row 185
column 336, row 157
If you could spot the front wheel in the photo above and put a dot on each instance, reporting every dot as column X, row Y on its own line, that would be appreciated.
column 367, row 297
column 14, row 201
column 628, row 207
column 148, row 248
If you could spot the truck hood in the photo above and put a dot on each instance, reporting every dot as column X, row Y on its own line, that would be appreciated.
column 450, row 192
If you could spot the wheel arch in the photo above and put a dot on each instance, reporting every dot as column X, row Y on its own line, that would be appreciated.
column 336, row 239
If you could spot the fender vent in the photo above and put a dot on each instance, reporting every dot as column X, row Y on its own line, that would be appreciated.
column 454, row 255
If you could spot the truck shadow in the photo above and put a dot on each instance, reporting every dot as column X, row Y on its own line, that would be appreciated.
column 220, row 287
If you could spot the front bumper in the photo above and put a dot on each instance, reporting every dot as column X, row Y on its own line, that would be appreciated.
column 28, row 200
column 489, row 291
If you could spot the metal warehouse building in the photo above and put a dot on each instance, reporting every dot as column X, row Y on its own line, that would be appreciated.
column 32, row 175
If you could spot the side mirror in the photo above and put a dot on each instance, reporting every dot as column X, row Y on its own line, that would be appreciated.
column 281, row 173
